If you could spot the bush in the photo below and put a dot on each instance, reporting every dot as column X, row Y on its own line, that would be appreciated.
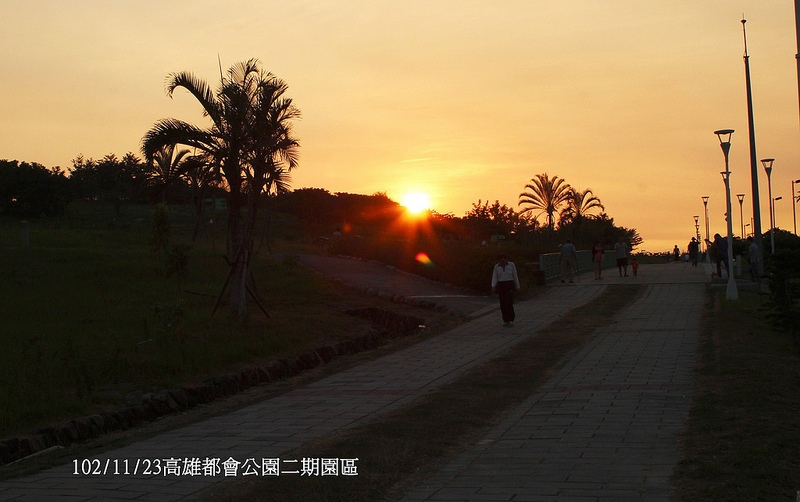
column 176, row 260
column 160, row 229
column 783, row 272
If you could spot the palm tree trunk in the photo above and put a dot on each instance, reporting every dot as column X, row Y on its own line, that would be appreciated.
column 238, row 247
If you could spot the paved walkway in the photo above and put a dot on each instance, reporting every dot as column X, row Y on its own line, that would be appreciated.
column 382, row 279
column 606, row 426
column 615, row 409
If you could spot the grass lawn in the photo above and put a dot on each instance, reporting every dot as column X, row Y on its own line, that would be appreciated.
column 742, row 440
column 89, row 315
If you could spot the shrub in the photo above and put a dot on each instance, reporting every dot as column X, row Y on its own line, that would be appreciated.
column 161, row 228
column 176, row 260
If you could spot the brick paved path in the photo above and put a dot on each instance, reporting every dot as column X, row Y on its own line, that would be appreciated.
column 605, row 427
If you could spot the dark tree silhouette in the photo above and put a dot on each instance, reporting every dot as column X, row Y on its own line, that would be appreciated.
column 546, row 195
column 250, row 142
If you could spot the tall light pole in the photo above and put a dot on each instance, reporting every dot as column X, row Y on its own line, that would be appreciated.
column 753, row 162
column 773, row 209
column 705, row 205
column 768, row 167
column 697, row 235
column 741, row 213
column 724, row 136
column 795, row 200
column 797, row 56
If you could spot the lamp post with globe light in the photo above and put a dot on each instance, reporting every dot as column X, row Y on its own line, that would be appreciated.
column 697, row 236
column 741, row 213
column 767, row 163
column 724, row 136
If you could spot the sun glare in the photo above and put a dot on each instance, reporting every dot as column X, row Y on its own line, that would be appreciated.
column 416, row 202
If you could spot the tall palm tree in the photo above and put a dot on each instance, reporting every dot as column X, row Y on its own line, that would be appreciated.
column 275, row 151
column 238, row 144
column 580, row 205
column 546, row 195
column 167, row 166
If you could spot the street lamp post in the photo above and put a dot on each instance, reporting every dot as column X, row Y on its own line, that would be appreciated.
column 773, row 209
column 767, row 163
column 705, row 205
column 747, row 229
column 741, row 214
column 753, row 162
column 795, row 200
column 724, row 136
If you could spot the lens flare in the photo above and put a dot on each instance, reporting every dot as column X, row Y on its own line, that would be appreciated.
column 424, row 259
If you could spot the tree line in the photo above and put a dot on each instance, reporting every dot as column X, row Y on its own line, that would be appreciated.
column 29, row 189
column 247, row 151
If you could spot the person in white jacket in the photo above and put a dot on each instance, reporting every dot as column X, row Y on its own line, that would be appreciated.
column 505, row 282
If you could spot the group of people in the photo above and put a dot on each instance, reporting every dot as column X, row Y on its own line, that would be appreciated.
column 720, row 244
column 505, row 279
column 569, row 257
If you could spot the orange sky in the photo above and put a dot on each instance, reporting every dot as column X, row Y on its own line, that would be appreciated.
column 461, row 99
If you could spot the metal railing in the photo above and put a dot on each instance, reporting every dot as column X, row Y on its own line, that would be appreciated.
column 548, row 263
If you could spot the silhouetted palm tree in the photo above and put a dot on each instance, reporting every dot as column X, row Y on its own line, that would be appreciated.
column 249, row 137
column 275, row 152
column 546, row 195
column 579, row 205
column 166, row 167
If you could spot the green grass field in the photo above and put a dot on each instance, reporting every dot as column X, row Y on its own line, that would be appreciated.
column 741, row 440
column 89, row 315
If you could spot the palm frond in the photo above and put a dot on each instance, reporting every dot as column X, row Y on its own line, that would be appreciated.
column 171, row 132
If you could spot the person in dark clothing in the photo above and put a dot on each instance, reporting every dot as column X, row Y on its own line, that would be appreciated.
column 694, row 249
column 721, row 247
column 505, row 282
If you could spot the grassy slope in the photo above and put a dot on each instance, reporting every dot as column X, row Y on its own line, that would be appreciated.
column 742, row 440
column 88, row 315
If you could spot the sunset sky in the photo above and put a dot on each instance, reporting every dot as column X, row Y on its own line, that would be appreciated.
column 462, row 100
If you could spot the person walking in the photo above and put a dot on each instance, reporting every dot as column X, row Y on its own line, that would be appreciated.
column 694, row 249
column 756, row 261
column 597, row 259
column 567, row 260
column 621, row 251
column 505, row 282
column 721, row 248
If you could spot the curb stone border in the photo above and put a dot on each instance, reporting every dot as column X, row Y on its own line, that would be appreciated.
column 141, row 407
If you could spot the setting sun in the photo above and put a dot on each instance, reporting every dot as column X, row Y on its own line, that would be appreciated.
column 416, row 202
